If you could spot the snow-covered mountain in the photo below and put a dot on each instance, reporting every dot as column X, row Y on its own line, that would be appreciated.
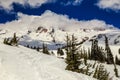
column 34, row 30
column 55, row 36
column 20, row 63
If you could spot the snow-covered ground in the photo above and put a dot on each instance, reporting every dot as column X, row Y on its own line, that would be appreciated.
column 20, row 63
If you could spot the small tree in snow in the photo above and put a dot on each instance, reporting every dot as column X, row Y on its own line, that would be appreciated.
column 45, row 49
column 116, row 70
column 72, row 59
column 13, row 41
column 60, row 52
column 110, row 59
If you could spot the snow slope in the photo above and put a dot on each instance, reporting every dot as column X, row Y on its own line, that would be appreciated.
column 20, row 63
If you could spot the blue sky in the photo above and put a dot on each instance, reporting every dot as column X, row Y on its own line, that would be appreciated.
column 80, row 10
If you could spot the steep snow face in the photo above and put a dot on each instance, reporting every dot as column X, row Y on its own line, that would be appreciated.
column 19, row 63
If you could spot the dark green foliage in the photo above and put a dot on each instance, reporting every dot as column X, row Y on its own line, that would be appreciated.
column 110, row 59
column 85, row 58
column 100, row 73
column 72, row 59
column 117, row 61
column 94, row 50
column 67, row 44
column 38, row 49
column 87, row 69
column 60, row 52
column 5, row 41
column 13, row 41
column 52, row 53
column 96, row 72
column 97, row 53
column 102, row 56
column 81, row 53
column 94, row 65
column 43, row 46
column 82, row 70
column 116, row 70
column 84, row 54
column 119, row 50
column 45, row 49
column 89, row 54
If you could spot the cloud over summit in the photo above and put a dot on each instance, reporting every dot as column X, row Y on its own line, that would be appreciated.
column 51, row 19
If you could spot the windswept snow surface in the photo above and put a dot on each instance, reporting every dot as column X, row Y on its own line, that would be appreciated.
column 20, row 63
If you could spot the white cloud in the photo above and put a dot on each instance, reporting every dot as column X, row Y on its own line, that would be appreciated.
column 50, row 19
column 77, row 2
column 72, row 2
column 109, row 4
column 7, row 4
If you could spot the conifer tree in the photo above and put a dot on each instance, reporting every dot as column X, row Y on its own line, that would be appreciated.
column 89, row 54
column 110, row 59
column 85, row 58
column 117, row 61
column 87, row 69
column 54, row 39
column 81, row 53
column 119, row 50
column 94, row 50
column 13, row 41
column 37, row 48
column 96, row 72
column 45, row 49
column 43, row 46
column 94, row 65
column 100, row 73
column 102, row 56
column 5, row 41
column 67, row 44
column 97, row 52
column 72, row 58
column 116, row 70
column 52, row 53
column 60, row 52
